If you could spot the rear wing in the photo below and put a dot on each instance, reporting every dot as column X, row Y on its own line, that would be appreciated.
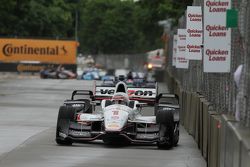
column 167, row 96
column 141, row 94
column 85, row 93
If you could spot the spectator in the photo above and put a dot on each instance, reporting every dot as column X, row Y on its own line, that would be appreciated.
column 237, row 78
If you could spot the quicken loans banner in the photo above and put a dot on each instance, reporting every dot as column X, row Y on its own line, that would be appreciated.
column 45, row 51
column 174, row 50
column 194, row 33
column 217, row 38
column 181, row 61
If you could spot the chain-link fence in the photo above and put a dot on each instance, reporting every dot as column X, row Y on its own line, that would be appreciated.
column 220, row 88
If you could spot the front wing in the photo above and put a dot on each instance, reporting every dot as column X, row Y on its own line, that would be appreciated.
column 134, row 132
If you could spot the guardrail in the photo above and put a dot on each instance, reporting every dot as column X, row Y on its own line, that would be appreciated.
column 222, row 141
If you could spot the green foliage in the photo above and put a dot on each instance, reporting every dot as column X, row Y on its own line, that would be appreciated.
column 104, row 26
column 149, row 12
column 108, row 27
column 35, row 18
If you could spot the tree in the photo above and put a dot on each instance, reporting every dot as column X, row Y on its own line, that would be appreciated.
column 8, row 19
column 108, row 27
column 36, row 18
column 104, row 26
column 149, row 12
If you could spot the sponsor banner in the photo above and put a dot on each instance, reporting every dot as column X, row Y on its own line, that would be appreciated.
column 132, row 92
column 46, row 51
column 174, row 50
column 194, row 33
column 217, row 38
column 29, row 67
column 181, row 61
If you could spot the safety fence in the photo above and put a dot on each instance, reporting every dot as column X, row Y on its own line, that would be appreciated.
column 209, row 101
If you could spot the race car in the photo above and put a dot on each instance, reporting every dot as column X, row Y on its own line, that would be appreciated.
column 136, row 82
column 120, row 118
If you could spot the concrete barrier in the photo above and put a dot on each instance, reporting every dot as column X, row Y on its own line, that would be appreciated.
column 245, row 148
column 197, row 118
column 200, row 127
column 177, row 89
column 214, row 124
column 205, row 116
column 192, row 114
column 184, row 101
column 233, row 142
column 187, row 110
column 223, row 139
column 182, row 104
column 223, row 143
column 231, row 138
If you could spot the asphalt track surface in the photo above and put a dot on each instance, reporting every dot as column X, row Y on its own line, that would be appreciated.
column 28, row 114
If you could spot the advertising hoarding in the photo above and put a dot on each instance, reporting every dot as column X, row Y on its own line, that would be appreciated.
column 194, row 33
column 181, row 61
column 217, row 37
column 174, row 50
column 45, row 51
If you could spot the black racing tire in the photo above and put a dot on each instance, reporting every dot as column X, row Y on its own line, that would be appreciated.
column 65, row 115
column 67, row 112
column 176, row 137
column 64, row 142
column 165, row 117
column 165, row 120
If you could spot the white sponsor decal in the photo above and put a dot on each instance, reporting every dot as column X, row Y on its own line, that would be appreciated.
column 89, row 117
column 194, row 33
column 80, row 133
column 132, row 92
column 115, row 120
column 217, row 38
column 62, row 135
column 181, row 61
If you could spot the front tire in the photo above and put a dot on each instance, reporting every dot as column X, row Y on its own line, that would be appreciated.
column 65, row 115
column 64, row 142
column 165, row 119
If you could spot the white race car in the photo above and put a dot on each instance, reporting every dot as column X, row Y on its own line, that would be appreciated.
column 120, row 119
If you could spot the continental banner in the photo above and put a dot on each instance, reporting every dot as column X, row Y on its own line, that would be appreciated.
column 44, row 51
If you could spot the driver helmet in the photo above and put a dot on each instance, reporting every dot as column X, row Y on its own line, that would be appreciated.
column 120, row 98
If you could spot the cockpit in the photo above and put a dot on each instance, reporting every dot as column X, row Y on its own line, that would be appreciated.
column 120, row 98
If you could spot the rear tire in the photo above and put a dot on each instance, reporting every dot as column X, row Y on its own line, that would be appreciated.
column 65, row 115
column 165, row 119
